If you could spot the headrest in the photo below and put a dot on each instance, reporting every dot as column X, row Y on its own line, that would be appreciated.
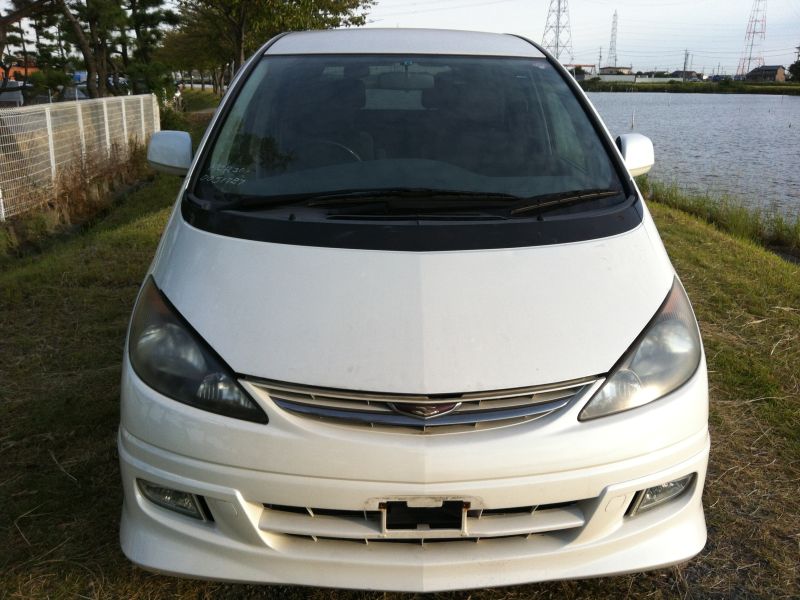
column 458, row 97
column 332, row 95
column 343, row 93
column 398, row 80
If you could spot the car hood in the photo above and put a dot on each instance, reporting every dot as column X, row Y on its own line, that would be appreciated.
column 415, row 322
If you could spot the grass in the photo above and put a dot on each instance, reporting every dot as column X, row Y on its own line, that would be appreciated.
column 65, row 312
column 769, row 228
column 83, row 192
column 694, row 87
column 86, row 192
column 195, row 99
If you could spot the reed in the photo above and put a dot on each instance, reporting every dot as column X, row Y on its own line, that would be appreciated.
column 767, row 227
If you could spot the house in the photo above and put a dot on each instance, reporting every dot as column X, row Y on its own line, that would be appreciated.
column 767, row 73
column 616, row 71
column 686, row 75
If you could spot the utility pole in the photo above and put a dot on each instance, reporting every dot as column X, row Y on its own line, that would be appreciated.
column 612, row 46
column 685, row 62
column 600, row 60
column 756, row 33
column 557, row 36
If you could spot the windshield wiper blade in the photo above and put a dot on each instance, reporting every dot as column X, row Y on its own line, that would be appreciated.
column 550, row 201
column 383, row 195
column 231, row 201
column 244, row 201
column 459, row 199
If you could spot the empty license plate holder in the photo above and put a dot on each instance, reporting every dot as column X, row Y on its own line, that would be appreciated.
column 399, row 516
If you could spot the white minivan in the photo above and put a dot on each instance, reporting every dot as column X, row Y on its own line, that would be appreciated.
column 410, row 327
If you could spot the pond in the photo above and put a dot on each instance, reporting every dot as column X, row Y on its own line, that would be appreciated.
column 746, row 147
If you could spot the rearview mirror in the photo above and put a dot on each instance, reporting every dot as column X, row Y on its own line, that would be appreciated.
column 170, row 152
column 637, row 151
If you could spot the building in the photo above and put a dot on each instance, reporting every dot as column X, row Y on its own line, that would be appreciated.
column 588, row 69
column 616, row 71
column 767, row 73
column 686, row 75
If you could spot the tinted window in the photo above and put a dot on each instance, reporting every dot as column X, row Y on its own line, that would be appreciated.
column 317, row 124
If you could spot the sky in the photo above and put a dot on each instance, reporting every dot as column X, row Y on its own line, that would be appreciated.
column 651, row 34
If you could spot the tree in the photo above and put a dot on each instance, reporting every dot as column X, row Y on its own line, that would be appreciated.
column 244, row 24
column 147, row 18
column 11, row 31
column 197, row 46
column 101, row 30
column 794, row 69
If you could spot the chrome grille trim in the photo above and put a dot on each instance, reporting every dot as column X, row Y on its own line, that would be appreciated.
column 493, row 408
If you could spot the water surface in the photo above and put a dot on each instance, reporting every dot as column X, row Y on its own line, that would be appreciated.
column 741, row 145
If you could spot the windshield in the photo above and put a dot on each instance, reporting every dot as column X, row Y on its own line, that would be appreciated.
column 317, row 124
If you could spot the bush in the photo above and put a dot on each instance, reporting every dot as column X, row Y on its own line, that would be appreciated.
column 174, row 120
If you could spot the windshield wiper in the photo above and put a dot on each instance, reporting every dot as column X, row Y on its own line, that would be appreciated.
column 449, row 199
column 547, row 202
column 350, row 197
column 231, row 201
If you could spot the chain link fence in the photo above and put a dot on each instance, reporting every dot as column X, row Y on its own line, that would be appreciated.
column 39, row 144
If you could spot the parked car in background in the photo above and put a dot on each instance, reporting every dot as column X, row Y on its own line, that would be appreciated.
column 73, row 92
column 410, row 327
column 11, row 94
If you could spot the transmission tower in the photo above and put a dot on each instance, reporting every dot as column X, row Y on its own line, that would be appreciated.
column 612, row 46
column 756, row 32
column 557, row 37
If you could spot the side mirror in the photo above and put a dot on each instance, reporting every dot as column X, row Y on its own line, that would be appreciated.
column 637, row 151
column 170, row 152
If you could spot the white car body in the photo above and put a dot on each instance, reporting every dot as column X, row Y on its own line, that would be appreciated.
column 423, row 323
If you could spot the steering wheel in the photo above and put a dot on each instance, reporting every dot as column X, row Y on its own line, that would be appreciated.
column 341, row 148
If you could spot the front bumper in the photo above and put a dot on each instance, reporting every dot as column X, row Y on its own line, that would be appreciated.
column 588, row 533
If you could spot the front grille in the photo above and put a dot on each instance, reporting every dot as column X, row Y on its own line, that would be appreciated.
column 425, row 413
column 369, row 526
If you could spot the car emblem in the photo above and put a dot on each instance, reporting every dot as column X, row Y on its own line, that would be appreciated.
column 424, row 411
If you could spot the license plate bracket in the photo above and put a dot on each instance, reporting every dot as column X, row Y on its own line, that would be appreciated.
column 399, row 516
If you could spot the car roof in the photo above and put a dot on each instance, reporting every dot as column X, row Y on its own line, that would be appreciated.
column 403, row 41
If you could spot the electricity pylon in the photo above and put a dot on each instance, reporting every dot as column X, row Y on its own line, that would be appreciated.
column 612, row 46
column 557, row 37
column 756, row 32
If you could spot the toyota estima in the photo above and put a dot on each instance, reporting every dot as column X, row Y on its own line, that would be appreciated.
column 410, row 327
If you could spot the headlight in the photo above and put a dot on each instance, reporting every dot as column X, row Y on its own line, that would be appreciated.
column 169, row 356
column 662, row 359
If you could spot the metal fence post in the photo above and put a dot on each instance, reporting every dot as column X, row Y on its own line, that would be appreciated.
column 2, row 207
column 79, row 110
column 156, row 115
column 51, row 144
column 124, row 123
column 105, row 122
column 141, row 114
